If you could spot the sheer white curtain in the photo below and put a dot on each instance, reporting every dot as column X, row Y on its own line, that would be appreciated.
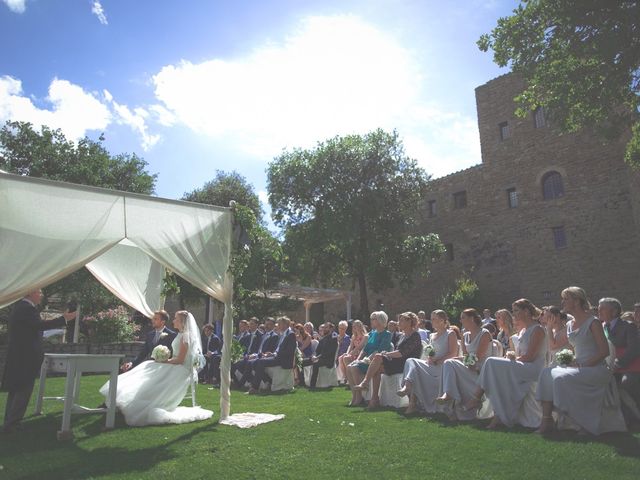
column 48, row 230
column 131, row 275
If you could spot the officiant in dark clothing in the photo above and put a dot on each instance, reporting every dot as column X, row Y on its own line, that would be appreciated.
column 160, row 335
column 25, row 355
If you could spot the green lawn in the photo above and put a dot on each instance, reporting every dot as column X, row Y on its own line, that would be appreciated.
column 319, row 438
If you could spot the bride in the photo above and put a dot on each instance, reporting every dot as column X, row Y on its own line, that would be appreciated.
column 150, row 393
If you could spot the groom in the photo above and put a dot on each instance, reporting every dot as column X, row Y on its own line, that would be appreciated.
column 160, row 335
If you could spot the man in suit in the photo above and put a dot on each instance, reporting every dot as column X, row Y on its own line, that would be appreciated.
column 160, row 335
column 623, row 335
column 211, row 346
column 243, row 330
column 250, row 341
column 25, row 355
column 283, row 356
column 268, row 345
column 325, row 354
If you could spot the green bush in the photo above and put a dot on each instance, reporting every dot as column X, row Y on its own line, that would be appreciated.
column 463, row 295
column 111, row 326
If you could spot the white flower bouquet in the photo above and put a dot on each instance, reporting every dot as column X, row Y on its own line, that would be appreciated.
column 430, row 350
column 366, row 360
column 470, row 359
column 565, row 357
column 161, row 353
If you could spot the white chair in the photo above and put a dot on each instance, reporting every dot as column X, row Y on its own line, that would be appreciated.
column 389, row 385
column 327, row 377
column 497, row 350
column 281, row 378
column 192, row 388
column 307, row 371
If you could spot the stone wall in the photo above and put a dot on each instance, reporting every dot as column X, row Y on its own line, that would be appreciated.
column 510, row 252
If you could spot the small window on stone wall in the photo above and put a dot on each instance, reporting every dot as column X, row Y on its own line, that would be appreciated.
column 431, row 208
column 552, row 186
column 559, row 237
column 505, row 132
column 512, row 197
column 538, row 118
column 460, row 199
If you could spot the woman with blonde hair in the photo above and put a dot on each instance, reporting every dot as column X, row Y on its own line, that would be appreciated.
column 584, row 390
column 359, row 338
column 460, row 374
column 391, row 363
column 422, row 378
column 508, row 381
column 504, row 320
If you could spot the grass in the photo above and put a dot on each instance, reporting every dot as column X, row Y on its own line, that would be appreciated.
column 319, row 438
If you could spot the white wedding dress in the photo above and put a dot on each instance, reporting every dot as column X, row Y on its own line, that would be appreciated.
column 150, row 394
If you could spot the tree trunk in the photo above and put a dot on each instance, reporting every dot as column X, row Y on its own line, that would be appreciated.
column 364, row 298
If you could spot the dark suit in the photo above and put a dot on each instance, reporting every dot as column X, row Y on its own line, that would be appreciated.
column 268, row 343
column 326, row 356
column 625, row 335
column 24, row 358
column 150, row 343
column 284, row 356
column 211, row 345
column 251, row 344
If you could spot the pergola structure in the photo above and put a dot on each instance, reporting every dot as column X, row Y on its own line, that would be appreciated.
column 311, row 295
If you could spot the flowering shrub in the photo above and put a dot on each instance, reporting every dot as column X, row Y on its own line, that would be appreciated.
column 112, row 326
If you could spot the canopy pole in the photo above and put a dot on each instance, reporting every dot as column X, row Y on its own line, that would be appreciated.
column 210, row 312
column 348, row 306
column 76, row 326
column 307, row 312
column 227, row 340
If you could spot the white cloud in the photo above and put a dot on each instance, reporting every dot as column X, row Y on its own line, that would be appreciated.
column 16, row 6
column 74, row 110
column 334, row 75
column 136, row 119
column 99, row 12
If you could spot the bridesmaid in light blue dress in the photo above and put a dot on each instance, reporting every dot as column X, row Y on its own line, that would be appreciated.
column 508, row 381
column 422, row 378
column 585, row 391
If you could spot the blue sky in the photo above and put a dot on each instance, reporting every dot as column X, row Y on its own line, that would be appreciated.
column 200, row 86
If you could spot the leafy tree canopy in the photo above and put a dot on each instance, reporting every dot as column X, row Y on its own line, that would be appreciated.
column 581, row 60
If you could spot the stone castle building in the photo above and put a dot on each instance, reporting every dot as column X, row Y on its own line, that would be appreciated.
column 543, row 211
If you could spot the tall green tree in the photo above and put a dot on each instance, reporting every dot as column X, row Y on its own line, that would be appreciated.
column 258, row 258
column 350, row 210
column 48, row 154
column 581, row 60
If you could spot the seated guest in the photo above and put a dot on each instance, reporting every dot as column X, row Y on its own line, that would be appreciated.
column 304, row 340
column 624, row 337
column 268, row 344
column 395, row 332
column 311, row 331
column 379, row 341
column 555, row 322
column 422, row 378
column 585, row 391
column 250, row 342
column 492, row 329
column 507, row 381
column 423, row 331
column 325, row 355
column 211, row 347
column 283, row 356
column 487, row 319
column 243, row 329
column 424, row 321
column 344, row 340
column 459, row 378
column 504, row 321
column 391, row 363
column 359, row 338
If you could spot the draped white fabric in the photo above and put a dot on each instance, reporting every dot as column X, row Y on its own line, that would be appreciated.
column 131, row 275
column 50, row 229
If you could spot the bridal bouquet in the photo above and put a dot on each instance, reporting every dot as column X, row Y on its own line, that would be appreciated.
column 430, row 351
column 470, row 360
column 565, row 357
column 161, row 353
column 366, row 360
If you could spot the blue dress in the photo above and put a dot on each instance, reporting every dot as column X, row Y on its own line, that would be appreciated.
column 378, row 342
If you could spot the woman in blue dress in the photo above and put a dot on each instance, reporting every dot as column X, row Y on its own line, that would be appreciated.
column 379, row 341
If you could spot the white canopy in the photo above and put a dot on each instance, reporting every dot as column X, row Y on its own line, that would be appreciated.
column 50, row 229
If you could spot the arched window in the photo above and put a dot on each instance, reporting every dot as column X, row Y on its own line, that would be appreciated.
column 552, row 186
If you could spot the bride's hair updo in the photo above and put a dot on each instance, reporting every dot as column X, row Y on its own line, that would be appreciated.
column 183, row 314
